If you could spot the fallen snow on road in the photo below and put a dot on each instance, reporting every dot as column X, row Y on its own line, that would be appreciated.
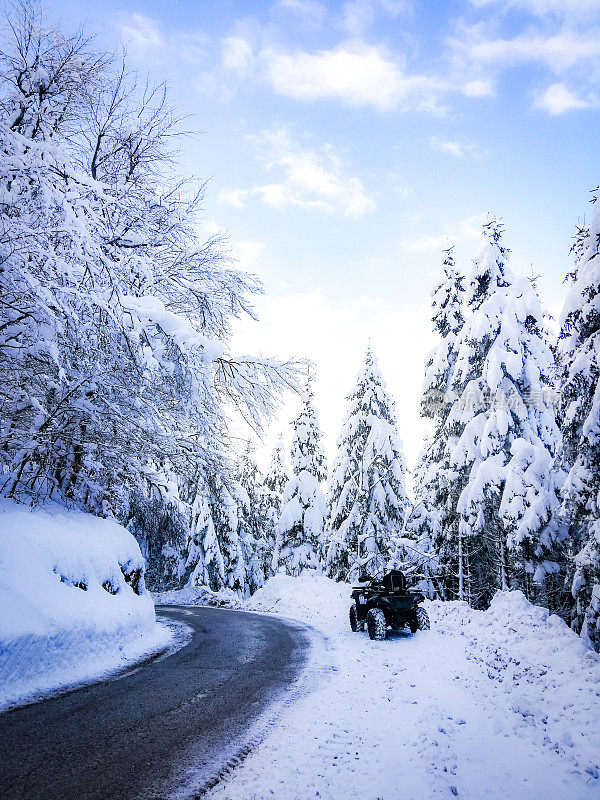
column 73, row 602
column 487, row 705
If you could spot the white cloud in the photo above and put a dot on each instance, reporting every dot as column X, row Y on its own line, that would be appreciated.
column 542, row 8
column 309, row 10
column 276, row 195
column 142, row 37
column 310, row 179
column 236, row 53
column 454, row 148
column 467, row 230
column 457, row 149
column 138, row 31
column 233, row 197
column 478, row 88
column 358, row 15
column 558, row 99
column 354, row 73
column 559, row 51
column 247, row 254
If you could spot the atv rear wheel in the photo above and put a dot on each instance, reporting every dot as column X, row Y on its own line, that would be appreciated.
column 354, row 623
column 422, row 619
column 376, row 624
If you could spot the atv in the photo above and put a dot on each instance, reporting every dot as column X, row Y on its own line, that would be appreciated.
column 386, row 603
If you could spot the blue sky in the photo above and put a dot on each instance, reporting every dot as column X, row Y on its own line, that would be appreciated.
column 348, row 143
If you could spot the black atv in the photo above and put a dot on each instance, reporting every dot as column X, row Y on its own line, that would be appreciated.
column 386, row 603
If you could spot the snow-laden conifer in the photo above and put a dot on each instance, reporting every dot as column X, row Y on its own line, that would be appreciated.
column 435, row 477
column 367, row 496
column 414, row 551
column 579, row 358
column 299, row 530
column 253, row 530
column 506, row 428
column 271, row 495
column 204, row 564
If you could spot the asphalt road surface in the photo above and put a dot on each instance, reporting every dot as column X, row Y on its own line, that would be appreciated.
column 160, row 729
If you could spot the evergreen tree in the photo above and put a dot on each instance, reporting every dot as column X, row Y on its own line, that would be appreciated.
column 253, row 523
column 299, row 531
column 508, row 432
column 225, row 511
column 204, row 564
column 271, row 495
column 414, row 551
column 436, row 480
column 367, row 497
column 579, row 359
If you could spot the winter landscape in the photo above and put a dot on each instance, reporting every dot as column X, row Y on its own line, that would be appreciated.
column 300, row 400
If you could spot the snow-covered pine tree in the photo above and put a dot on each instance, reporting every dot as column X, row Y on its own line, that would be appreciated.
column 299, row 531
column 436, row 480
column 225, row 511
column 508, row 432
column 204, row 565
column 253, row 531
column 414, row 550
column 579, row 361
column 367, row 497
column 271, row 495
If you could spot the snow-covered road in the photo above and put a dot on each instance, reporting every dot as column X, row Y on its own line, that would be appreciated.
column 501, row 704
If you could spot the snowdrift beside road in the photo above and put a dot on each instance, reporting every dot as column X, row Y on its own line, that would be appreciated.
column 72, row 598
column 488, row 705
column 197, row 596
column 537, row 665
column 310, row 598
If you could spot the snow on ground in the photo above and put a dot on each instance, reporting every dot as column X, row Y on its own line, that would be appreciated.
column 197, row 596
column 73, row 604
column 502, row 704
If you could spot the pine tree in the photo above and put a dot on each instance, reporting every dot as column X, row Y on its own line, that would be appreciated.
column 299, row 530
column 367, row 496
column 436, row 487
column 271, row 496
column 253, row 524
column 579, row 360
column 414, row 551
column 508, row 433
column 204, row 564
column 225, row 512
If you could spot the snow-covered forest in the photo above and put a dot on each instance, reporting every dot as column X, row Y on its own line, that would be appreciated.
column 120, row 394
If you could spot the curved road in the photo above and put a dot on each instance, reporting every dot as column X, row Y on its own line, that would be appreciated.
column 163, row 727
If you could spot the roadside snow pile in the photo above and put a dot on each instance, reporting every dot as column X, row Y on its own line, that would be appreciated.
column 74, row 605
column 546, row 673
column 309, row 598
column 197, row 596
column 495, row 705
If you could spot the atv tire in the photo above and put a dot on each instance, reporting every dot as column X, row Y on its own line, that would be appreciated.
column 422, row 619
column 376, row 624
column 354, row 623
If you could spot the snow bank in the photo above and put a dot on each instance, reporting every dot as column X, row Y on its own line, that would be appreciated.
column 197, row 596
column 484, row 706
column 309, row 598
column 537, row 665
column 74, row 605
